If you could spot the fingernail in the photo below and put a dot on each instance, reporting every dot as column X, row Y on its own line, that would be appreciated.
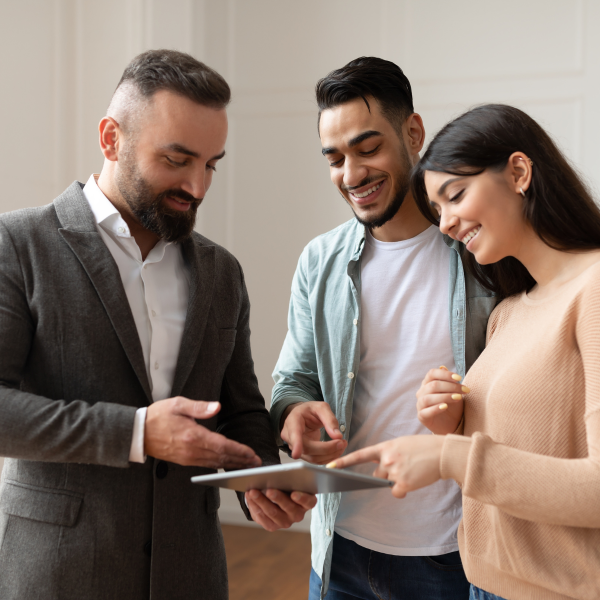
column 340, row 445
column 456, row 397
column 212, row 406
column 465, row 389
column 456, row 377
column 443, row 406
column 336, row 431
column 331, row 465
column 443, row 367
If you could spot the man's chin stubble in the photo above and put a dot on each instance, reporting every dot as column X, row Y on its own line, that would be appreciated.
column 388, row 213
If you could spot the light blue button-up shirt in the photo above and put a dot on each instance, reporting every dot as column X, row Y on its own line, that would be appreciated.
column 321, row 353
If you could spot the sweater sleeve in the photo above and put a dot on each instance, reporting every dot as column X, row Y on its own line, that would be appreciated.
column 538, row 488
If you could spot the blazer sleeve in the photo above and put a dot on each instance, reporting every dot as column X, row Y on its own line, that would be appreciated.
column 34, row 427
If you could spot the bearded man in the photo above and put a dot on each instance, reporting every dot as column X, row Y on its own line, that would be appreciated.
column 120, row 328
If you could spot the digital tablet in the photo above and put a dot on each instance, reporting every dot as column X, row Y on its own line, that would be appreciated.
column 298, row 476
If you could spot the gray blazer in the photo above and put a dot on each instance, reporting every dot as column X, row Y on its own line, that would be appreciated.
column 77, row 520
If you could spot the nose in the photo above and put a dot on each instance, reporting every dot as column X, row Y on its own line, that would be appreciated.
column 198, row 183
column 354, row 172
column 448, row 222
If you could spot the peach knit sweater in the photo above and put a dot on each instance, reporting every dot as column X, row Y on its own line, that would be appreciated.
column 529, row 459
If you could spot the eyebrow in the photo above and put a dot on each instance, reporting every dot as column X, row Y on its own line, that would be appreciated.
column 446, row 184
column 183, row 150
column 354, row 141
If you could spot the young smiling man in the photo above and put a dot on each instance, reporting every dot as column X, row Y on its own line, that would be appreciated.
column 375, row 304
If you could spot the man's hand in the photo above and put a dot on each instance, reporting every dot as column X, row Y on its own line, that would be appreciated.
column 440, row 401
column 274, row 509
column 411, row 462
column 302, row 424
column 172, row 434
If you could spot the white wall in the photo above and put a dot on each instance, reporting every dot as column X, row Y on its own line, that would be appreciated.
column 272, row 194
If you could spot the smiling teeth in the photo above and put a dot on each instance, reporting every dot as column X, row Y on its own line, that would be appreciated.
column 470, row 235
column 369, row 191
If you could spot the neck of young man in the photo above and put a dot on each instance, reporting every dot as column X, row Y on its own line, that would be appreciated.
column 407, row 223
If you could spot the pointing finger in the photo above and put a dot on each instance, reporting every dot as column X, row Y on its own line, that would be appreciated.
column 371, row 454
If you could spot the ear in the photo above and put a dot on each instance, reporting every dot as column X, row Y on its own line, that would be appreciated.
column 110, row 136
column 519, row 169
column 414, row 136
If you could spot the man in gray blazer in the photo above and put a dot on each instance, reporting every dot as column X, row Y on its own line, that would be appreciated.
column 120, row 328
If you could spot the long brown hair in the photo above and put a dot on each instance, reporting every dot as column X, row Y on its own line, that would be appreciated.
column 558, row 204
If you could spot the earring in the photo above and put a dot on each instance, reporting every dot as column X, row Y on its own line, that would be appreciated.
column 530, row 161
column 522, row 192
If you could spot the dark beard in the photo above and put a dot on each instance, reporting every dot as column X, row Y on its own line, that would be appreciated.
column 150, row 208
column 389, row 212
column 403, row 179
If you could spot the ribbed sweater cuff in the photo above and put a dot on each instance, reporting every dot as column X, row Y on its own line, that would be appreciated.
column 455, row 453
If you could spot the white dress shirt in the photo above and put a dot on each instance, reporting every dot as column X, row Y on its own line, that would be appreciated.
column 158, row 292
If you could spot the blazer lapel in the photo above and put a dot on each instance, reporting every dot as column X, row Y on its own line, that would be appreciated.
column 80, row 233
column 201, row 260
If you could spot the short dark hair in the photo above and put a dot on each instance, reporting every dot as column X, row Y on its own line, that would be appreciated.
column 364, row 77
column 179, row 73
column 557, row 203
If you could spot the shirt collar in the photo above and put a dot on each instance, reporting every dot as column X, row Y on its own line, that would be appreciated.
column 359, row 239
column 105, row 212
column 454, row 244
column 361, row 234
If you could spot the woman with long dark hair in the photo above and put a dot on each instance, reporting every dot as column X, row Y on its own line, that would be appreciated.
column 524, row 440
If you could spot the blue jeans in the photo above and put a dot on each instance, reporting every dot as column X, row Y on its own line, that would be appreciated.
column 478, row 594
column 359, row 573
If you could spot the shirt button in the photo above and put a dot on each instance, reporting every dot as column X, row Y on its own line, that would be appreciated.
column 145, row 266
column 153, row 313
column 355, row 321
column 121, row 229
column 156, row 365
column 342, row 428
column 328, row 532
column 350, row 375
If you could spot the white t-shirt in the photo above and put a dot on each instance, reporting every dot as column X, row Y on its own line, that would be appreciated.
column 404, row 332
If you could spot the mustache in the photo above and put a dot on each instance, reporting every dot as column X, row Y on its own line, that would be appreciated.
column 180, row 195
column 365, row 181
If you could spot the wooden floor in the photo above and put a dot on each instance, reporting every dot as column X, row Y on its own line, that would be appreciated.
column 267, row 566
